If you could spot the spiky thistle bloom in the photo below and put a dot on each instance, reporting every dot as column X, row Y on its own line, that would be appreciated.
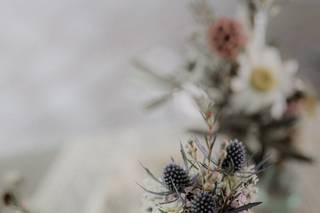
column 203, row 202
column 202, row 185
column 236, row 156
column 175, row 177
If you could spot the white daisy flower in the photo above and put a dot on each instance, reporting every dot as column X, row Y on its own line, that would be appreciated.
column 264, row 80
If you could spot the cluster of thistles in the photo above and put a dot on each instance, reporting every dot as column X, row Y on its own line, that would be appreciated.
column 260, row 100
column 206, row 183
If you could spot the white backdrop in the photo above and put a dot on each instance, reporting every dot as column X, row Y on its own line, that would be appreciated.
column 63, row 65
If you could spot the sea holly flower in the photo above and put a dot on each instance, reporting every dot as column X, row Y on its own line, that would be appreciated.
column 205, row 183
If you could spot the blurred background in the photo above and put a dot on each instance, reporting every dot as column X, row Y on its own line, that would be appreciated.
column 65, row 68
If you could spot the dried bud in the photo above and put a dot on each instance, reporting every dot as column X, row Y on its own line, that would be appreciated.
column 192, row 149
column 226, row 37
column 8, row 198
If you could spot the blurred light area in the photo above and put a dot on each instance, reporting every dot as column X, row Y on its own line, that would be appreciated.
column 65, row 64
column 296, row 31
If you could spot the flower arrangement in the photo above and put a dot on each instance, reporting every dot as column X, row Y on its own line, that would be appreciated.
column 208, row 182
column 258, row 94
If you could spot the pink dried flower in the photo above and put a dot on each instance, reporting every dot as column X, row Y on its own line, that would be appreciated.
column 294, row 107
column 240, row 201
column 226, row 37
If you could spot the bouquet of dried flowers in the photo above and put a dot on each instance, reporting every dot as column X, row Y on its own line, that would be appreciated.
column 211, row 180
column 259, row 97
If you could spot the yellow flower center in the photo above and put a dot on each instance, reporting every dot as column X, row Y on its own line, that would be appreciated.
column 262, row 79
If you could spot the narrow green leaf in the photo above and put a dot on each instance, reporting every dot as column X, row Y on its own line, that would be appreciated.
column 245, row 207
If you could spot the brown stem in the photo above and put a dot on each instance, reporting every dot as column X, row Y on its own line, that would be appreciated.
column 252, row 12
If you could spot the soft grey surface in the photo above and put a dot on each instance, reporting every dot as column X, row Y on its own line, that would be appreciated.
column 32, row 166
column 296, row 31
column 62, row 63
column 62, row 70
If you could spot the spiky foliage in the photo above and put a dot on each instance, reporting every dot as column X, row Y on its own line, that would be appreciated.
column 203, row 184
